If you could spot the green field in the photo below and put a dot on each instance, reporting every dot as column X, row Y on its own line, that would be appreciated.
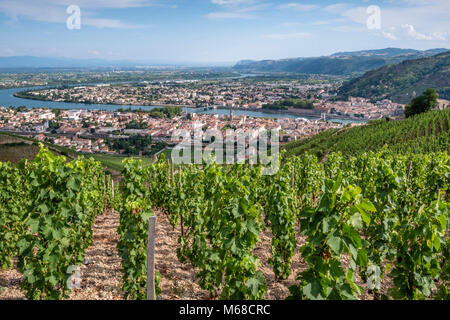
column 115, row 162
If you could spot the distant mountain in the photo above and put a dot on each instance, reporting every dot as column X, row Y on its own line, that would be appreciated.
column 339, row 64
column 391, row 52
column 402, row 82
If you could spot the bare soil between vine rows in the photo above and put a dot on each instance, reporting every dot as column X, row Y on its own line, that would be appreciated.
column 101, row 276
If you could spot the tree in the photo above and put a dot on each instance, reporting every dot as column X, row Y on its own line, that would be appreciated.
column 423, row 103
column 57, row 112
column 137, row 125
column 53, row 125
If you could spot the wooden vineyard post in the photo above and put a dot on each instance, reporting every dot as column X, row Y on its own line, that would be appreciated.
column 293, row 178
column 181, row 215
column 105, row 206
column 151, row 293
column 168, row 171
column 172, row 174
column 112, row 188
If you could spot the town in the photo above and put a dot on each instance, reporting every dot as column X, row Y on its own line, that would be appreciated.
column 236, row 94
column 87, row 131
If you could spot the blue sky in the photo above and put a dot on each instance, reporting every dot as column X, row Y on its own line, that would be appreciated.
column 217, row 30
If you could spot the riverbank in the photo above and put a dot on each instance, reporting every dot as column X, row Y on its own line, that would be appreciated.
column 301, row 113
column 306, row 113
column 8, row 99
column 23, row 95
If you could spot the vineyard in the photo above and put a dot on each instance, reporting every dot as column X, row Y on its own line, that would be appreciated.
column 428, row 132
column 386, row 214
column 376, row 224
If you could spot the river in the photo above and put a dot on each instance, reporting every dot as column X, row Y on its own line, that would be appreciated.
column 8, row 99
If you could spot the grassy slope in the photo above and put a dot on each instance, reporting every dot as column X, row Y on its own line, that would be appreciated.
column 115, row 162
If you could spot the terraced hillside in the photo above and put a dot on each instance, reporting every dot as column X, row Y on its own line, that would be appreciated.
column 423, row 133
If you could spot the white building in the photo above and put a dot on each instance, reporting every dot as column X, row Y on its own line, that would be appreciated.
column 74, row 115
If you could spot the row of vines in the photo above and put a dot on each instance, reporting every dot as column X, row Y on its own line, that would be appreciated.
column 364, row 220
column 47, row 209
column 423, row 133
column 386, row 214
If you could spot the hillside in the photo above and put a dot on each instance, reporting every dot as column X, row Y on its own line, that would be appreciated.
column 338, row 64
column 14, row 149
column 392, row 52
column 423, row 133
column 402, row 81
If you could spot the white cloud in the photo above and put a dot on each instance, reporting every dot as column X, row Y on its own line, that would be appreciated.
column 421, row 2
column 321, row 23
column 336, row 8
column 118, row 4
column 389, row 35
column 288, row 36
column 231, row 2
column 429, row 16
column 327, row 22
column 298, row 6
column 55, row 11
column 94, row 52
column 414, row 34
column 440, row 36
column 435, row 36
column 4, row 52
column 237, row 9
column 229, row 15
column 349, row 29
column 110, row 23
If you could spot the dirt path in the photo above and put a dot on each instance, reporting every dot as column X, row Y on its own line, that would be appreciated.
column 178, row 280
column 102, row 274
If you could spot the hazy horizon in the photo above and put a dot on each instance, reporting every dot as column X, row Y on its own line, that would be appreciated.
column 148, row 63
